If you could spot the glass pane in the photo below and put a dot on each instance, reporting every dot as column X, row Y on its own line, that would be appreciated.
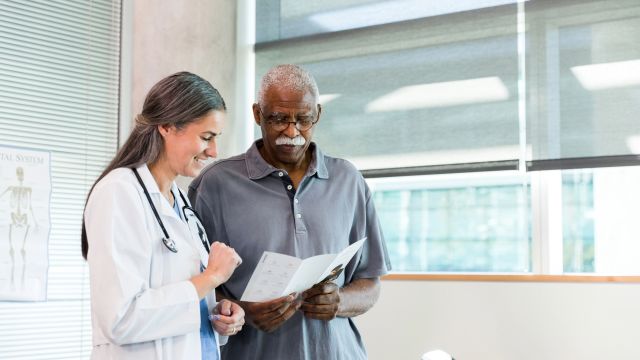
column 283, row 19
column 393, row 111
column 450, row 95
column 455, row 223
column 589, row 85
column 600, row 220
column 578, row 221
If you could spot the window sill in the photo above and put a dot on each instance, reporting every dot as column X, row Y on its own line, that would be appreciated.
column 572, row 278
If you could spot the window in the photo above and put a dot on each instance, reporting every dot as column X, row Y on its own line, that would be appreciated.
column 599, row 225
column 490, row 131
column 59, row 70
column 454, row 223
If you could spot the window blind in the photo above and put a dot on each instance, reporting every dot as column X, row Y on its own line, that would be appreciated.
column 59, row 70
column 583, row 77
column 404, row 92
column 421, row 85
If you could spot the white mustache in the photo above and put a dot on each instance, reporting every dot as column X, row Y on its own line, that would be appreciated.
column 285, row 140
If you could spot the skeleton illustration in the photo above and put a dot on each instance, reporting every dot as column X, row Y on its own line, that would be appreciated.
column 20, row 202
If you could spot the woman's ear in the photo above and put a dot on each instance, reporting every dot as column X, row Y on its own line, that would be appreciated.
column 165, row 129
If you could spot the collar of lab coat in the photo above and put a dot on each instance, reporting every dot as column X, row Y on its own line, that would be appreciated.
column 166, row 210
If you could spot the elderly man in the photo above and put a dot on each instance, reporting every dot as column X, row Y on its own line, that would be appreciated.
column 285, row 195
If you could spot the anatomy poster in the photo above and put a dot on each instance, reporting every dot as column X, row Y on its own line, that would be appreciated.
column 25, row 193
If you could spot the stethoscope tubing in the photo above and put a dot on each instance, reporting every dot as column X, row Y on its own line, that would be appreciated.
column 168, row 242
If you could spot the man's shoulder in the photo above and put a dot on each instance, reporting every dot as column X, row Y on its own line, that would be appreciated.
column 220, row 169
column 340, row 165
column 223, row 165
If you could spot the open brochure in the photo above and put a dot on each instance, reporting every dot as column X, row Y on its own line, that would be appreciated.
column 278, row 275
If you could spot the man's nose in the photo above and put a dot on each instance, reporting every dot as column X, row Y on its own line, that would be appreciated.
column 291, row 130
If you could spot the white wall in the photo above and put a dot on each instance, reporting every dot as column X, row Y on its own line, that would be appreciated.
column 504, row 321
column 197, row 36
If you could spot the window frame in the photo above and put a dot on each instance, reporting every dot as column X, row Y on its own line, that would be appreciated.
column 546, row 186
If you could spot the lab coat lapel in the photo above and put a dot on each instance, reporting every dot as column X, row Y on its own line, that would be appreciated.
column 193, row 236
column 177, row 228
column 162, row 205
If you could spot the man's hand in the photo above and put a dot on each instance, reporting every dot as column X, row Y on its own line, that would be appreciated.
column 321, row 301
column 270, row 315
column 228, row 318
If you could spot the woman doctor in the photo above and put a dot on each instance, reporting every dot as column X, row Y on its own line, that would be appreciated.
column 152, row 271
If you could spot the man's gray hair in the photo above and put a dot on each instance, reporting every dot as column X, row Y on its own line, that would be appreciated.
column 289, row 76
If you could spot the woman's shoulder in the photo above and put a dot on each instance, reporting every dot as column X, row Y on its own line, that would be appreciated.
column 120, row 179
column 118, row 189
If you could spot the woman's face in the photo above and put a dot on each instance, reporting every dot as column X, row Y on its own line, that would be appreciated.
column 187, row 149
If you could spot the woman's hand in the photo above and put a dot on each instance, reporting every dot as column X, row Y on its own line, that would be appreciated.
column 228, row 318
column 223, row 261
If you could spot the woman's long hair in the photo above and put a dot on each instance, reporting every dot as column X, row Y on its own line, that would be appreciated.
column 177, row 100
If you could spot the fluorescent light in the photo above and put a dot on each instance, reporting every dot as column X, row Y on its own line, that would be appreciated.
column 441, row 94
column 608, row 75
column 325, row 98
column 382, row 12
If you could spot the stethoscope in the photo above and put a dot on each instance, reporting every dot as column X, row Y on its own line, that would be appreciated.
column 187, row 211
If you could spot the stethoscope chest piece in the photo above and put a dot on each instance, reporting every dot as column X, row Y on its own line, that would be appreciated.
column 170, row 244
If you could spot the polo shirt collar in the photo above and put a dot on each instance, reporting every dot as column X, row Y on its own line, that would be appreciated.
column 258, row 168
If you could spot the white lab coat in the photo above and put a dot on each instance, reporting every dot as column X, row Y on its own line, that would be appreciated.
column 143, row 305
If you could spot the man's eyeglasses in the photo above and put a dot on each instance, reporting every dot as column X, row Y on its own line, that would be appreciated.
column 280, row 123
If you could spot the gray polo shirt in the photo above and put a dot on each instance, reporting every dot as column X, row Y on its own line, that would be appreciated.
column 252, row 206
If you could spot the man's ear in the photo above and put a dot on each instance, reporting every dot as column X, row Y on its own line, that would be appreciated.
column 319, row 112
column 256, row 113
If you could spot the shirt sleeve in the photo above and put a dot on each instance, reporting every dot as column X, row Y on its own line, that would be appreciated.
column 125, row 308
column 202, row 199
column 374, row 258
